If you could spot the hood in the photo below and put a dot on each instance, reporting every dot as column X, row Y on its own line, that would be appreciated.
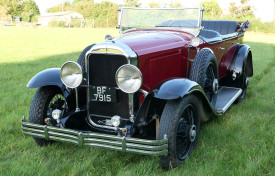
column 149, row 41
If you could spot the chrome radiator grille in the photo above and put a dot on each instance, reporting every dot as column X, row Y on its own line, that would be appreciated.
column 101, row 72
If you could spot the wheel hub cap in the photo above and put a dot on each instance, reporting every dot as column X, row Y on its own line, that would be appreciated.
column 215, row 86
column 192, row 133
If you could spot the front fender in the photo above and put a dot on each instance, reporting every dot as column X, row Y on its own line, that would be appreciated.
column 176, row 88
column 48, row 77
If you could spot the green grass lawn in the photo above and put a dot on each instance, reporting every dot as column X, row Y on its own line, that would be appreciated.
column 242, row 142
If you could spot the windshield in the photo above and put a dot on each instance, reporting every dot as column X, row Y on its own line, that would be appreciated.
column 179, row 18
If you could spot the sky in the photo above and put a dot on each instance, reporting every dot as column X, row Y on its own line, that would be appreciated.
column 263, row 8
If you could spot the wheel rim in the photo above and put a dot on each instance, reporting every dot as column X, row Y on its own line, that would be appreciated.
column 186, row 133
column 57, row 102
column 210, row 82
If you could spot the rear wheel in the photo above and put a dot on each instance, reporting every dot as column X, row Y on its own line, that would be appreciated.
column 45, row 100
column 180, row 122
column 204, row 71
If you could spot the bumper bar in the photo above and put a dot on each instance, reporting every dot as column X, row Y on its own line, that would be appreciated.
column 125, row 144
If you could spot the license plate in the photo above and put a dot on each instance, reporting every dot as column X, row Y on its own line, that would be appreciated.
column 103, row 94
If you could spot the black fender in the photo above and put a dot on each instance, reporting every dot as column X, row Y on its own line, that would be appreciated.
column 176, row 88
column 234, row 78
column 155, row 101
column 243, row 54
column 181, row 87
column 51, row 77
column 48, row 77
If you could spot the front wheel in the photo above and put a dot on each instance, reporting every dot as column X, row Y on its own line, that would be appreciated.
column 45, row 100
column 180, row 122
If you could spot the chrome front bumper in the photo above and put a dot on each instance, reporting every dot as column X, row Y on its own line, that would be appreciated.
column 125, row 144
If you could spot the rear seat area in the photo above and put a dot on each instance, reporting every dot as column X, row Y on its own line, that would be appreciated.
column 222, row 27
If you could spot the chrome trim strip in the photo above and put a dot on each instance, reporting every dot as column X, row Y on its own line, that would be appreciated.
column 212, row 40
column 114, row 45
column 144, row 92
column 206, row 48
column 221, row 38
column 126, row 144
column 229, row 36
column 101, row 126
column 131, row 107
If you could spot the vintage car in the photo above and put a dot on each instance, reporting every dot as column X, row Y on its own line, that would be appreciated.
column 148, row 90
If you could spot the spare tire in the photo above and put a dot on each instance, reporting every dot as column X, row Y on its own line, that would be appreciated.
column 81, row 58
column 204, row 71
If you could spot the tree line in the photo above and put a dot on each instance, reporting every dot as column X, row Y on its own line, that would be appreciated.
column 27, row 10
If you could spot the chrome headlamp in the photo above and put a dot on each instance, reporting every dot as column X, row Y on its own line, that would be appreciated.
column 128, row 78
column 71, row 74
column 195, row 41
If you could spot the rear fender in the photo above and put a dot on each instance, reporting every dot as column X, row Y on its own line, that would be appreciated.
column 242, row 55
column 234, row 77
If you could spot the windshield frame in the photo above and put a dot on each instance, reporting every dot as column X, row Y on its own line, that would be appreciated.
column 198, row 27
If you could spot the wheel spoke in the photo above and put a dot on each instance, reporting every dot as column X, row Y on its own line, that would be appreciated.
column 212, row 73
column 183, row 140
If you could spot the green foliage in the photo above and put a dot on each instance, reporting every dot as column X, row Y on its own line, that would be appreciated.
column 30, row 6
column 29, row 11
column 58, row 8
column 77, row 1
column 99, row 11
column 212, row 8
column 175, row 4
column 26, row 9
column 131, row 3
column 154, row 5
column 14, row 7
column 244, row 10
column 34, row 18
column 85, row 8
column 3, row 11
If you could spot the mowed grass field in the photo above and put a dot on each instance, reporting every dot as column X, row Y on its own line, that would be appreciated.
column 242, row 142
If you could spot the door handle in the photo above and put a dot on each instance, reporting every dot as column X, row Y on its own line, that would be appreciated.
column 220, row 48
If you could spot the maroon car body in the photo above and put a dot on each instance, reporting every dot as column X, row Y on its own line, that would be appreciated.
column 148, row 90
column 164, row 53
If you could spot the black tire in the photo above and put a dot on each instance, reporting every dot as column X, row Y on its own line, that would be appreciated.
column 175, row 123
column 81, row 58
column 204, row 70
column 40, row 107
column 244, row 84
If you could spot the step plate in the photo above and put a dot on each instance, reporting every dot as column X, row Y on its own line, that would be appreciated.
column 225, row 97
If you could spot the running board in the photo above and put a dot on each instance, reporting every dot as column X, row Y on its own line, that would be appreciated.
column 224, row 98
